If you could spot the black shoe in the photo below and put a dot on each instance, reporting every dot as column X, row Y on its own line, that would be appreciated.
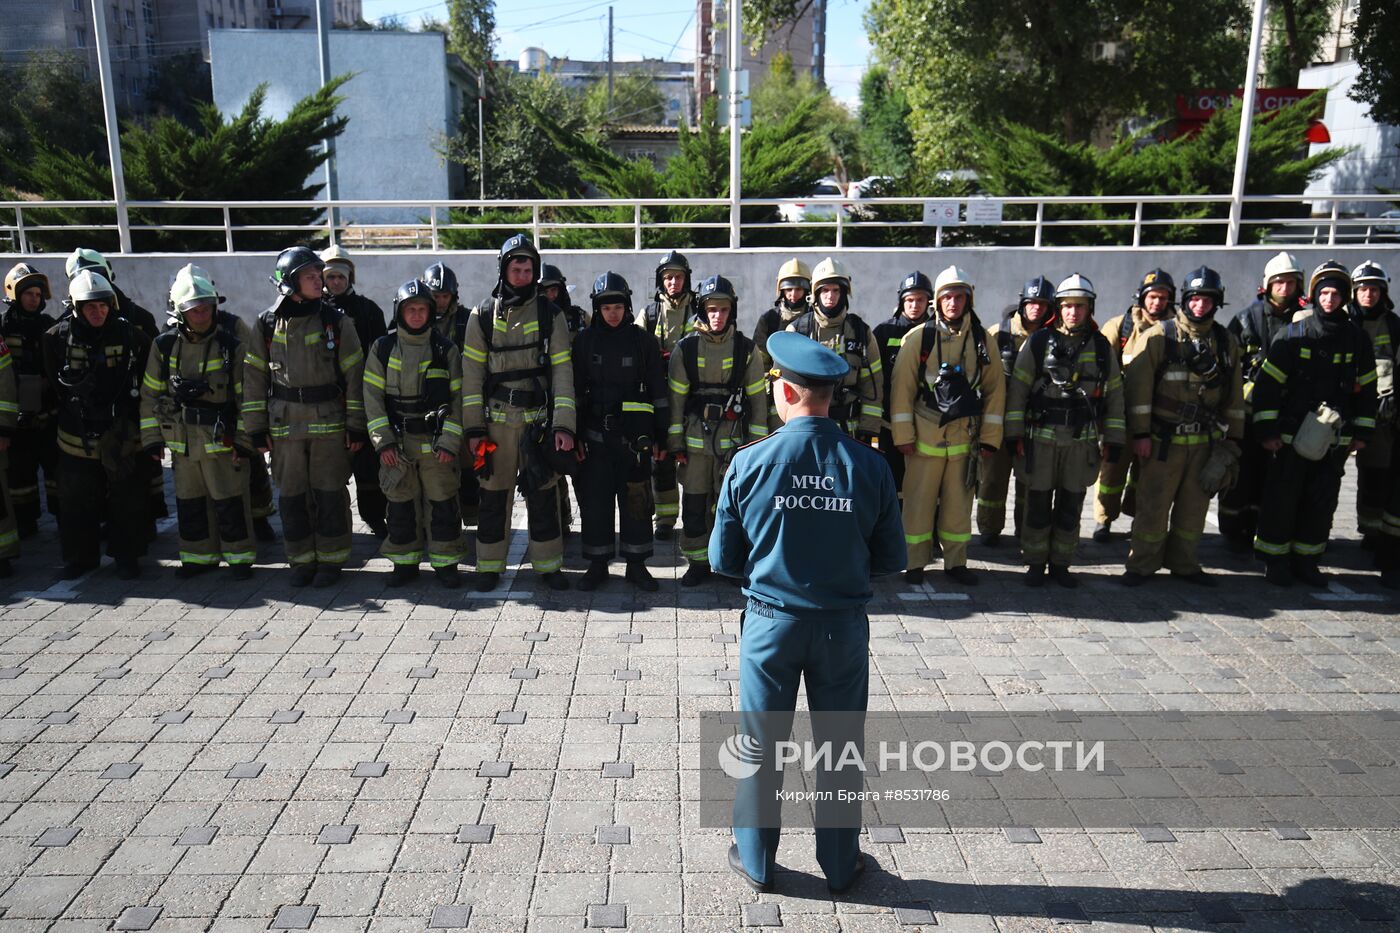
column 638, row 575
column 486, row 581
column 1239, row 544
column 379, row 527
column 75, row 569
column 469, row 515
column 448, row 576
column 991, row 539
column 28, row 529
column 736, row 865
column 326, row 575
column 1103, row 532
column 6, row 568
column 1199, row 578
column 128, row 568
column 241, row 571
column 190, row 571
column 1061, row 575
column 1309, row 573
column 595, row 576
column 1035, row 575
column 697, row 573
column 403, row 574
column 963, row 575
column 555, row 581
column 854, row 879
column 665, row 532
column 303, row 574
column 1131, row 579
column 914, row 576
column 1277, row 571
column 263, row 530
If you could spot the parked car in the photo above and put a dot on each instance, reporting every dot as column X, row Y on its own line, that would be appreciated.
column 821, row 204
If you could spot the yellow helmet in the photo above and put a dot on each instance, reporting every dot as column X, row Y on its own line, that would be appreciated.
column 828, row 271
column 1283, row 263
column 794, row 269
column 23, row 277
column 337, row 259
column 952, row 277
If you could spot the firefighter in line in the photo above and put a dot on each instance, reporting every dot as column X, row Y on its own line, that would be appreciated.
column 1314, row 403
column 669, row 316
column 914, row 297
column 303, row 401
column 719, row 401
column 624, row 413
column 1034, row 311
column 94, row 359
column 191, row 395
column 34, row 441
column 1155, row 302
column 1374, row 311
column 1186, row 417
column 451, row 321
column 1256, row 328
column 792, row 288
column 858, row 405
column 555, row 287
column 947, row 403
column 338, row 275
column 1064, row 410
column 413, row 407
column 519, row 414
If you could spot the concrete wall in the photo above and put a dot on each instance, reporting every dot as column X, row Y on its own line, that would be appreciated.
column 1375, row 161
column 999, row 273
column 397, row 104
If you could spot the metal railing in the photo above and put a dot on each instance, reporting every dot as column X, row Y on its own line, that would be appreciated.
column 437, row 225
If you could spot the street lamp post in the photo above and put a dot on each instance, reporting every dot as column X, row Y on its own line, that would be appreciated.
column 109, row 106
column 1251, row 83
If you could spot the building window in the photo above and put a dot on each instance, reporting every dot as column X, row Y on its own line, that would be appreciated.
column 130, row 19
column 77, row 6
column 148, row 13
column 80, row 37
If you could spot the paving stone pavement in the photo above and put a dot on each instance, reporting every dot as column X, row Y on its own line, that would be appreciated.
column 207, row 755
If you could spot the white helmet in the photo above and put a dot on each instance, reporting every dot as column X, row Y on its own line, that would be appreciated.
column 1076, row 286
column 191, row 287
column 952, row 277
column 84, row 258
column 1283, row 263
column 88, row 285
column 1370, row 271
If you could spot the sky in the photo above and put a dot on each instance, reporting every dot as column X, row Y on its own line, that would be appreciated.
column 642, row 29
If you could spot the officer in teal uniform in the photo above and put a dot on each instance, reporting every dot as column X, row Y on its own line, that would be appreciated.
column 805, row 518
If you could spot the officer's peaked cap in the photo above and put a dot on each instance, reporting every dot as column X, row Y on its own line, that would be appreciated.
column 805, row 362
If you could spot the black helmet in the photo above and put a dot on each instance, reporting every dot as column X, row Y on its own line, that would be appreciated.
column 552, row 275
column 414, row 290
column 716, row 286
column 290, row 262
column 514, row 248
column 1037, row 289
column 441, row 279
column 673, row 260
column 915, row 282
column 1154, row 280
column 1203, row 281
column 610, row 285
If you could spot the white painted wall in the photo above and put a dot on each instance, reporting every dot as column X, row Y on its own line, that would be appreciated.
column 1375, row 163
column 397, row 104
column 998, row 273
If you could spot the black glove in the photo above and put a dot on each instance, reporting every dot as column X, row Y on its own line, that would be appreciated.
column 1114, row 453
column 155, row 451
column 260, row 440
column 987, row 448
column 357, row 436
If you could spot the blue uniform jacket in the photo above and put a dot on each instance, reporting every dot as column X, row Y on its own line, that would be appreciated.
column 805, row 518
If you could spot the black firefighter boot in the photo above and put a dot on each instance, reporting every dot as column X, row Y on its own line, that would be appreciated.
column 640, row 577
column 1307, row 570
column 595, row 576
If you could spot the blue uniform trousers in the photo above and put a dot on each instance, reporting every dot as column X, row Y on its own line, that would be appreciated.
column 833, row 657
